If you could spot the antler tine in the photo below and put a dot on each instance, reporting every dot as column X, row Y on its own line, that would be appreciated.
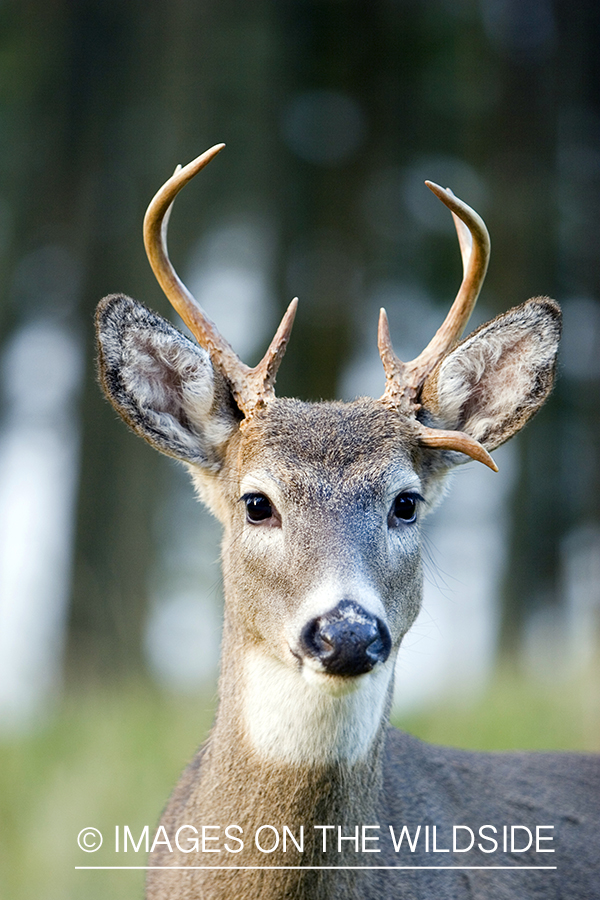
column 395, row 385
column 454, row 440
column 474, row 242
column 251, row 387
column 269, row 364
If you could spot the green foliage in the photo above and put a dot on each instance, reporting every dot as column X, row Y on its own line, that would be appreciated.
column 516, row 713
column 111, row 756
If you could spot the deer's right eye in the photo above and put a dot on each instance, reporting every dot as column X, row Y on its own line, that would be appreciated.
column 258, row 508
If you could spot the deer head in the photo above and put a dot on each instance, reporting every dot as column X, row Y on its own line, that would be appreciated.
column 321, row 503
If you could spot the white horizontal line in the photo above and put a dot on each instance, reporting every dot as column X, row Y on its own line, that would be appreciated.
column 505, row 868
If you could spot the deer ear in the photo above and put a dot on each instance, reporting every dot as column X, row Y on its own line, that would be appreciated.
column 491, row 384
column 162, row 384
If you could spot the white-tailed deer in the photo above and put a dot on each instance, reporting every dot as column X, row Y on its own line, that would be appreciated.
column 303, row 790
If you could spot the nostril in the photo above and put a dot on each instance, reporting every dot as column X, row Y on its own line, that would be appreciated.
column 313, row 641
column 376, row 649
column 346, row 640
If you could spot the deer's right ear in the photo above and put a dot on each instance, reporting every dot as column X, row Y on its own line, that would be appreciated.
column 162, row 384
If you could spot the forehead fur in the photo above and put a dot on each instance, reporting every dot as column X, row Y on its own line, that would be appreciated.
column 345, row 439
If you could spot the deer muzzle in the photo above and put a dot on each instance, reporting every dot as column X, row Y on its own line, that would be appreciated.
column 347, row 640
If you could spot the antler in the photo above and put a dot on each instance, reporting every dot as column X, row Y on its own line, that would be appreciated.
column 404, row 380
column 251, row 387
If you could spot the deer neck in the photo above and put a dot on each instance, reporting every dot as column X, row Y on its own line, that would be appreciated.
column 243, row 781
column 244, row 789
column 283, row 752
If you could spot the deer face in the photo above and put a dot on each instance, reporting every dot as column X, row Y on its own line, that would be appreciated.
column 321, row 547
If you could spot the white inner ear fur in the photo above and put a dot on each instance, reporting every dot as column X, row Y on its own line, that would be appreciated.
column 175, row 387
column 492, row 375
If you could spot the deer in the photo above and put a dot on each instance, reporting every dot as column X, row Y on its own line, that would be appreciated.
column 303, row 789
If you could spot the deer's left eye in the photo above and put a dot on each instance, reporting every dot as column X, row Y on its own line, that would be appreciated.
column 404, row 508
column 258, row 508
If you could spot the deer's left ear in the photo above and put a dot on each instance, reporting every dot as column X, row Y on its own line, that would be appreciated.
column 491, row 384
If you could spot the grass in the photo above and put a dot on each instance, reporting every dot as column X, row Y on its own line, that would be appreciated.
column 111, row 757
column 515, row 713
column 108, row 757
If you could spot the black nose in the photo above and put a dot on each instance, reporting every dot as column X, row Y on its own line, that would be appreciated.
column 347, row 640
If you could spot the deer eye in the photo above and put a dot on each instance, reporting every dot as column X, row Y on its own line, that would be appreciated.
column 258, row 508
column 404, row 508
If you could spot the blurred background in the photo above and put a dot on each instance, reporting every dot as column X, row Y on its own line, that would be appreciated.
column 334, row 112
